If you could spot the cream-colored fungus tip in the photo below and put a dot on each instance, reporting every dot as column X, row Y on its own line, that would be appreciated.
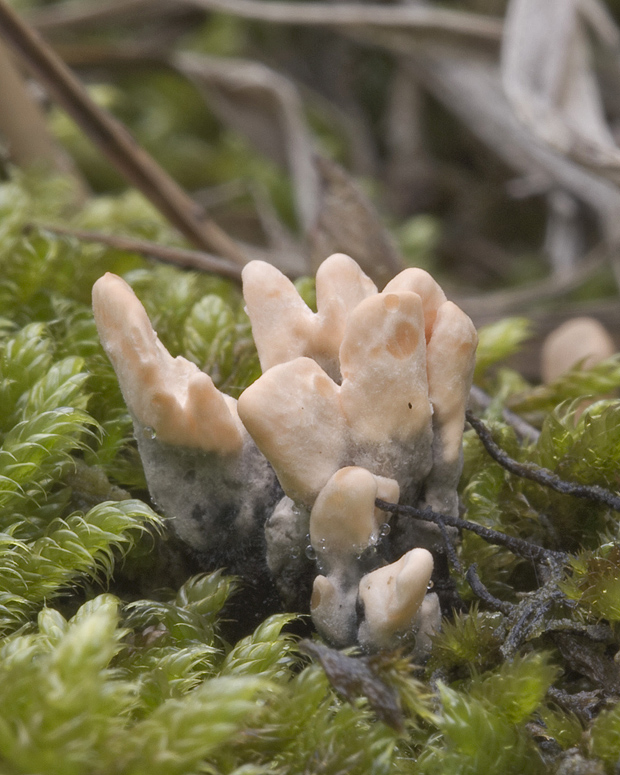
column 281, row 320
column 384, row 389
column 579, row 340
column 450, row 357
column 285, row 328
column 392, row 596
column 170, row 396
column 340, row 287
column 344, row 520
column 293, row 414
column 418, row 281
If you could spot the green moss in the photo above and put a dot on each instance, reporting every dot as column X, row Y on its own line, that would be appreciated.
column 144, row 680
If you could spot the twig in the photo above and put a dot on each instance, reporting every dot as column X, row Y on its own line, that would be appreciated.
column 114, row 140
column 190, row 259
column 71, row 15
column 450, row 548
column 516, row 545
column 522, row 428
column 538, row 474
column 528, row 614
column 355, row 15
column 471, row 90
column 548, row 77
column 483, row 593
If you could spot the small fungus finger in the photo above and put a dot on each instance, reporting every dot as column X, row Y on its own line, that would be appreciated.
column 392, row 596
column 384, row 389
column 418, row 281
column 171, row 396
column 344, row 520
column 333, row 611
column 451, row 355
column 281, row 321
column 340, row 287
column 293, row 414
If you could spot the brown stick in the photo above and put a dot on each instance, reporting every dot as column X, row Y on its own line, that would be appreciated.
column 115, row 141
column 189, row 259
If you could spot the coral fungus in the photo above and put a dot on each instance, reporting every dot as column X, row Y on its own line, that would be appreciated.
column 363, row 399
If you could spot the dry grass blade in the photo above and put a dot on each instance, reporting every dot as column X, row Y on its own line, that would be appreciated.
column 115, row 141
column 425, row 19
column 348, row 223
column 549, row 78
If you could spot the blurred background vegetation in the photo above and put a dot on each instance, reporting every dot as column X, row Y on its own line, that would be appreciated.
column 419, row 118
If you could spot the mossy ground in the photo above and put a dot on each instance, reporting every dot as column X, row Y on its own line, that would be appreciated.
column 143, row 680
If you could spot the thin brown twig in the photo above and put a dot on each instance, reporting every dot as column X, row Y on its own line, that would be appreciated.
column 78, row 13
column 541, row 475
column 114, row 140
column 189, row 259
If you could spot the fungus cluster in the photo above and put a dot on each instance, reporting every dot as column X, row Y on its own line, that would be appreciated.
column 363, row 399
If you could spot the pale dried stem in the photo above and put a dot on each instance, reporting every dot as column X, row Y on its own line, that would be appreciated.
column 423, row 19
column 265, row 106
